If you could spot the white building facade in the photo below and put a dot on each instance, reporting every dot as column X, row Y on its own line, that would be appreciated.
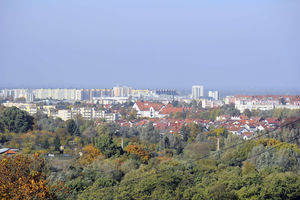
column 197, row 91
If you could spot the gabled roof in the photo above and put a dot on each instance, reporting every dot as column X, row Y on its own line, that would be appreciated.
column 145, row 106
column 272, row 120
column 248, row 134
column 255, row 119
column 234, row 128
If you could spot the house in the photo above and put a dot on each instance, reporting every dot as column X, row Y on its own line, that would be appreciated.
column 242, row 130
column 271, row 121
column 235, row 130
column 261, row 127
column 148, row 109
column 250, row 127
column 247, row 135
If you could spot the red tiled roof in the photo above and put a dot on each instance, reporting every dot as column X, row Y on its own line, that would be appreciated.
column 170, row 109
column 234, row 128
column 272, row 120
column 248, row 134
column 145, row 106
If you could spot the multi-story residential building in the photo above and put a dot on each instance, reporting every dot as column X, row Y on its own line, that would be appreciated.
column 91, row 94
column 29, row 97
column 107, row 116
column 243, row 105
column 58, row 94
column 20, row 93
column 7, row 93
column 211, row 103
column 111, row 100
column 121, row 91
column 139, row 92
column 64, row 114
column 166, row 92
column 214, row 95
column 87, row 113
column 197, row 91
column 28, row 107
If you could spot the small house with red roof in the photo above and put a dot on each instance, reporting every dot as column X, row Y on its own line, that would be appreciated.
column 271, row 121
column 247, row 135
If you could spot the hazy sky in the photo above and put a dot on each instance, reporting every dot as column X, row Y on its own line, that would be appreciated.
column 224, row 44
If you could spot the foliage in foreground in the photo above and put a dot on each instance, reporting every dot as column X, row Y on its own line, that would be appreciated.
column 24, row 177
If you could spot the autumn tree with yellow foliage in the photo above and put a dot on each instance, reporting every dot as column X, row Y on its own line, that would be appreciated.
column 139, row 151
column 23, row 177
column 90, row 153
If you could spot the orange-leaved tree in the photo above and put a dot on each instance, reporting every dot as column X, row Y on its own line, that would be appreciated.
column 90, row 153
column 23, row 177
column 139, row 151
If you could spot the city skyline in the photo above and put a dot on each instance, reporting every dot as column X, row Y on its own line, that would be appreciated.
column 187, row 91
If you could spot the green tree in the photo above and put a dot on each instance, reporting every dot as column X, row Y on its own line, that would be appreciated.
column 107, row 146
column 2, row 129
column 166, row 143
column 16, row 120
column 185, row 132
column 281, row 186
column 230, row 110
column 195, row 130
column 248, row 113
column 132, row 115
column 72, row 128
column 149, row 134
column 56, row 143
column 45, row 144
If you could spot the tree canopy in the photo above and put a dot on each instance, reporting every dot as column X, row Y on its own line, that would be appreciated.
column 15, row 120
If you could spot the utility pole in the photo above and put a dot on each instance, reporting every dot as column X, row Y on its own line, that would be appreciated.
column 218, row 144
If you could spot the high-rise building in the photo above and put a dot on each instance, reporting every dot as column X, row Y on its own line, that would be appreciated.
column 197, row 91
column 214, row 95
column 58, row 94
column 121, row 91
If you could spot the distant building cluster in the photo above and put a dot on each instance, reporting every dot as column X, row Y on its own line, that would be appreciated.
column 264, row 102
column 118, row 94
column 125, row 94
column 87, row 113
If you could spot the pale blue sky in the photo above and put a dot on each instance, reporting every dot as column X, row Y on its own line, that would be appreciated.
column 251, row 44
